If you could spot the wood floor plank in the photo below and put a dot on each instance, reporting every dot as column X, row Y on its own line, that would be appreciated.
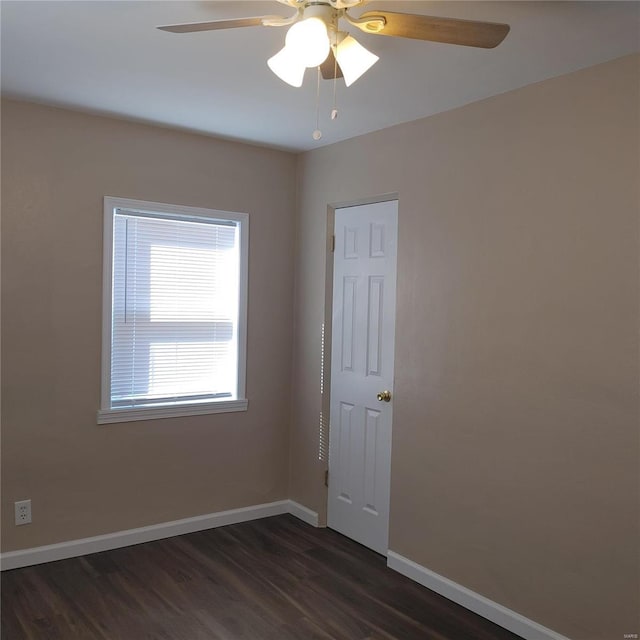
column 270, row 579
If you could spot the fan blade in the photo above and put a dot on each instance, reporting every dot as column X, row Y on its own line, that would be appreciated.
column 217, row 24
column 330, row 69
column 449, row 30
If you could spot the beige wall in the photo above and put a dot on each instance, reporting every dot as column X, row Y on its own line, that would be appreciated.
column 515, row 444
column 85, row 479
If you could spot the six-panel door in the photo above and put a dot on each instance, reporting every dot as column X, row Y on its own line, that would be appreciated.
column 363, row 329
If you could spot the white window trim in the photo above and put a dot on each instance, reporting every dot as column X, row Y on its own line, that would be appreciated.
column 107, row 415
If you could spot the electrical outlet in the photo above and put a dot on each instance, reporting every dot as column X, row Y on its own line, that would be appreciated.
column 23, row 512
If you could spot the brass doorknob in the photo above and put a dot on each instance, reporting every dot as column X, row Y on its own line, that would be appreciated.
column 384, row 396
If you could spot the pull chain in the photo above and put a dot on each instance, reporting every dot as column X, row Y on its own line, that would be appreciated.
column 317, row 134
column 334, row 111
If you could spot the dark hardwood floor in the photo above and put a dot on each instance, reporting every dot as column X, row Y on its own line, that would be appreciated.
column 271, row 579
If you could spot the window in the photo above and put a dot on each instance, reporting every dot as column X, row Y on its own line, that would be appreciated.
column 174, row 311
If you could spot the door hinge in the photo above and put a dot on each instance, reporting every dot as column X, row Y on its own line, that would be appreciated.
column 332, row 243
column 326, row 478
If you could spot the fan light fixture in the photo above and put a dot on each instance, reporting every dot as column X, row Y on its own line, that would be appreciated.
column 353, row 58
column 287, row 67
column 308, row 40
column 307, row 45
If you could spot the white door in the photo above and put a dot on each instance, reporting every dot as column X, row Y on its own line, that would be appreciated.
column 363, row 330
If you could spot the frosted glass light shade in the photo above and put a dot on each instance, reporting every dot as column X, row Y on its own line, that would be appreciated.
column 308, row 41
column 353, row 59
column 287, row 67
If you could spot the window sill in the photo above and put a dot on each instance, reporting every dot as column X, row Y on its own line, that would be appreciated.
column 111, row 416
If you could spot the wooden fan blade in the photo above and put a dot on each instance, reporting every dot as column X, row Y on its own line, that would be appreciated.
column 217, row 24
column 330, row 69
column 448, row 30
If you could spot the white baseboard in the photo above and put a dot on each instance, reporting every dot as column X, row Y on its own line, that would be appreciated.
column 84, row 546
column 302, row 512
column 484, row 607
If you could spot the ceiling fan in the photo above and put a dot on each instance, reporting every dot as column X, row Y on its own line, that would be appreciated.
column 315, row 39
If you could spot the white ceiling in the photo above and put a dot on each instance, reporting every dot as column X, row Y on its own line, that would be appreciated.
column 107, row 57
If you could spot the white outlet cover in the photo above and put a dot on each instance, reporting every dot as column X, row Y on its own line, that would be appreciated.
column 23, row 512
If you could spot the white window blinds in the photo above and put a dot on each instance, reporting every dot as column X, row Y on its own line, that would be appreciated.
column 175, row 309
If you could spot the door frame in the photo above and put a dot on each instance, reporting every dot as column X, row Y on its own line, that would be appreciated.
column 326, row 344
